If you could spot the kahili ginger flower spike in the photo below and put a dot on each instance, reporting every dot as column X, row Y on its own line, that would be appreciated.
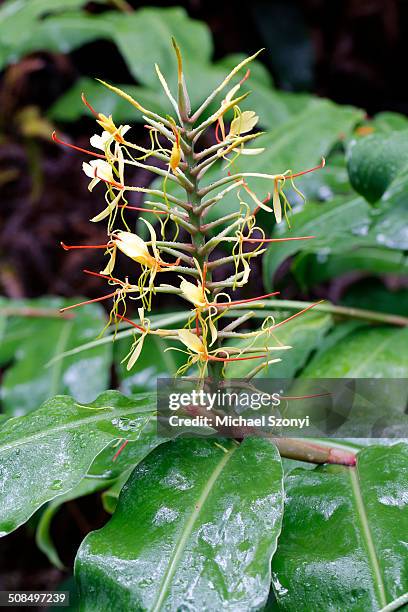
column 206, row 280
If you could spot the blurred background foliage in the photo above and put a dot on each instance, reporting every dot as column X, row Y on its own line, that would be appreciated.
column 328, row 84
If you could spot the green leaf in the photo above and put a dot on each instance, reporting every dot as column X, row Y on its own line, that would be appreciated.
column 367, row 353
column 30, row 342
column 192, row 527
column 144, row 38
column 36, row 25
column 48, row 452
column 152, row 363
column 303, row 334
column 69, row 107
column 375, row 161
column 390, row 122
column 43, row 536
column 311, row 270
column 110, row 496
column 342, row 543
column 331, row 223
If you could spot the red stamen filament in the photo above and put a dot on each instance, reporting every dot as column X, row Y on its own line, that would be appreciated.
column 70, row 247
column 139, row 327
column 248, row 72
column 297, row 397
column 227, row 359
column 99, row 275
column 114, row 183
column 277, row 239
column 321, row 165
column 71, row 146
column 116, row 455
column 91, row 108
column 227, row 304
column 169, row 265
column 99, row 299
column 296, row 314
column 217, row 131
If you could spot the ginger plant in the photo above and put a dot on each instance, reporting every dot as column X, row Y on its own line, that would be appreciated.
column 214, row 318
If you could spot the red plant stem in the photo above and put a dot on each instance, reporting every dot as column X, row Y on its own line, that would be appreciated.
column 71, row 146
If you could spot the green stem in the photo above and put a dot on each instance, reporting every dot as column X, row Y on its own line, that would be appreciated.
column 341, row 311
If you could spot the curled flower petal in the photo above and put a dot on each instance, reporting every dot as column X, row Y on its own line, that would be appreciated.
column 191, row 341
column 244, row 123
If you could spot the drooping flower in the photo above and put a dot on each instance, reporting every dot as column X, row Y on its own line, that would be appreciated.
column 243, row 123
column 97, row 170
column 103, row 140
column 135, row 247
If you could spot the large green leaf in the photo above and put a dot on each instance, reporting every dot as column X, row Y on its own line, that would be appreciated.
column 310, row 269
column 367, row 353
column 48, row 452
column 69, row 107
column 37, row 25
column 342, row 545
column 193, row 527
column 375, row 161
column 43, row 538
column 29, row 342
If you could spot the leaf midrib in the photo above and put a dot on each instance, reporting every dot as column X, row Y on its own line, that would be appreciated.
column 179, row 548
column 74, row 425
column 365, row 528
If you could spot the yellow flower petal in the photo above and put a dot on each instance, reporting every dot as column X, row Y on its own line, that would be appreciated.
column 191, row 341
column 244, row 123
column 193, row 293
column 135, row 248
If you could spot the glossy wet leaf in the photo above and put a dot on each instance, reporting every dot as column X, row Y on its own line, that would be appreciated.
column 49, row 451
column 192, row 527
column 375, row 161
column 342, row 545
column 371, row 352
column 28, row 343
column 43, row 537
